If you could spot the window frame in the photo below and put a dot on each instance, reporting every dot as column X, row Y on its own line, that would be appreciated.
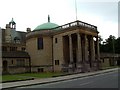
column 40, row 44
column 57, row 62
column 20, row 62
column 56, row 40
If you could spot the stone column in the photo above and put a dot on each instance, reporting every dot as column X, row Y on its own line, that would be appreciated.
column 87, row 66
column 98, row 53
column 79, row 53
column 71, row 53
column 92, row 50
column 86, row 48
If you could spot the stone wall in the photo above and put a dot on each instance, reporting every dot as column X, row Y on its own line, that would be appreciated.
column 42, row 57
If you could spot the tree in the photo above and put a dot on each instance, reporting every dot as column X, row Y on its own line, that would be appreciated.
column 111, row 45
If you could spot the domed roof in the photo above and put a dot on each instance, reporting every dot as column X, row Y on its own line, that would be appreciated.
column 46, row 26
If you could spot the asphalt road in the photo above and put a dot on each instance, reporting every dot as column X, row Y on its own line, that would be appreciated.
column 105, row 80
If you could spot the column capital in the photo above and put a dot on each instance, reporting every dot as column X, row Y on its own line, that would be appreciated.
column 78, row 34
column 85, row 35
column 69, row 35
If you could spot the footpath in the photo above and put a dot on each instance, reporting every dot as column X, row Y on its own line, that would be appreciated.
column 9, row 85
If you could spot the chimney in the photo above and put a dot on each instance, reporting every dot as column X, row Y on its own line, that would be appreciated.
column 28, row 30
column 7, row 26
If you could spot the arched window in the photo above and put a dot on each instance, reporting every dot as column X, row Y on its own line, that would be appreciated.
column 16, row 40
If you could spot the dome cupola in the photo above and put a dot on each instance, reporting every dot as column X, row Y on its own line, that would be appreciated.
column 46, row 26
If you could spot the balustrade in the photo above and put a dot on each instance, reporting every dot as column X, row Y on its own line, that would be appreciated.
column 77, row 23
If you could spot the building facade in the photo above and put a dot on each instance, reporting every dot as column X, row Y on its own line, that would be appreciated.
column 15, row 59
column 67, row 48
column 109, row 59
column 72, row 47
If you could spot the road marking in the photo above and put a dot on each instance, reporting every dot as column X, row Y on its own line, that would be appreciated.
column 85, row 83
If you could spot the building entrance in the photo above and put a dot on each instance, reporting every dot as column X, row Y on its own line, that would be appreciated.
column 5, row 67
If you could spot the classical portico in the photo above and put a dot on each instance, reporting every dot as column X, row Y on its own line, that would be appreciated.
column 80, row 48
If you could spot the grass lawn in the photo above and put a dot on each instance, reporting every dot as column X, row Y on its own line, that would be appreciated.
column 34, row 75
column 28, row 76
column 13, row 77
column 41, row 75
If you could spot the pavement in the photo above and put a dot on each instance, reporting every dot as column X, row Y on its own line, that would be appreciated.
column 104, row 80
column 9, row 85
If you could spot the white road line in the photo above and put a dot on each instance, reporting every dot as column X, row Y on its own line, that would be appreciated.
column 85, row 83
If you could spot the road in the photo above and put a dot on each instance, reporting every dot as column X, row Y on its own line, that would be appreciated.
column 105, row 80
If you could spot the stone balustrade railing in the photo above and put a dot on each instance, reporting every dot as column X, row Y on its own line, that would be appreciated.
column 77, row 23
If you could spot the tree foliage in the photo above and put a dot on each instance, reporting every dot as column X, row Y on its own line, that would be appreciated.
column 111, row 45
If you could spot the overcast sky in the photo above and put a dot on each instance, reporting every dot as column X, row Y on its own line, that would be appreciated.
column 31, row 13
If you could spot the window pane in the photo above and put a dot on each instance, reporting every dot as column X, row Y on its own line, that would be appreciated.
column 55, row 40
column 40, row 43
column 4, row 48
column 56, row 62
column 23, row 49
column 20, row 62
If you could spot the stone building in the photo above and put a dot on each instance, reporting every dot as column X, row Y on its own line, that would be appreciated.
column 109, row 59
column 15, row 59
column 72, row 47
column 67, row 48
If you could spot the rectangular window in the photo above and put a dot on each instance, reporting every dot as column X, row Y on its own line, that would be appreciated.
column 13, row 48
column 20, row 62
column 12, row 62
column 56, row 62
column 4, row 48
column 23, row 49
column 40, row 69
column 103, row 61
column 55, row 40
column 40, row 43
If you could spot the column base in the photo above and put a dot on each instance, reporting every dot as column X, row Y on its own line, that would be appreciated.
column 79, row 68
column 87, row 67
column 70, row 70
column 95, row 67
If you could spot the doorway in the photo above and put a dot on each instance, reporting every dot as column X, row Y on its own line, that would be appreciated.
column 5, row 66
